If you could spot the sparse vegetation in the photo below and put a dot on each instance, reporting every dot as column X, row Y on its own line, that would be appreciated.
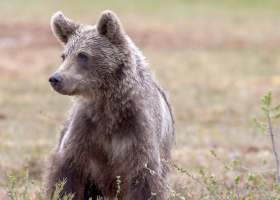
column 17, row 191
column 256, row 185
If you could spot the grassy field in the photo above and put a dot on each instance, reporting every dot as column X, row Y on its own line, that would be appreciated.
column 216, row 58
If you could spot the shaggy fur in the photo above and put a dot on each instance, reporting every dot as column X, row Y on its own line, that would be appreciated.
column 120, row 119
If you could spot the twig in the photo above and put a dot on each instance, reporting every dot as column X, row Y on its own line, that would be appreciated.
column 191, row 176
column 27, row 174
column 49, row 117
column 153, row 172
column 258, row 189
column 259, row 171
column 272, row 141
column 269, row 127
column 245, row 192
column 237, row 189
column 268, row 134
column 265, row 192
column 187, row 193
column 215, row 196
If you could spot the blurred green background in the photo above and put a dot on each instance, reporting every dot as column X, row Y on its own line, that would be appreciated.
column 215, row 58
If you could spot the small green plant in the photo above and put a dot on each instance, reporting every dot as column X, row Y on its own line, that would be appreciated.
column 58, row 189
column 13, row 190
column 16, row 191
column 118, row 187
column 268, row 129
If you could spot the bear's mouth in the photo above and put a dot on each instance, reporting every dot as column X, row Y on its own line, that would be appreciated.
column 61, row 89
column 63, row 92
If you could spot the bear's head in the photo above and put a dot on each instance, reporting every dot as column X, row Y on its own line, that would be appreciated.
column 93, row 56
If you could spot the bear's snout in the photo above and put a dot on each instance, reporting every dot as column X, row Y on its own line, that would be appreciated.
column 55, row 80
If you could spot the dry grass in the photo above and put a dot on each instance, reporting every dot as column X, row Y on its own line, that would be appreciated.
column 215, row 70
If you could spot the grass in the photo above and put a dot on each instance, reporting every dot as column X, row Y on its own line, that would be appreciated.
column 32, row 10
column 215, row 59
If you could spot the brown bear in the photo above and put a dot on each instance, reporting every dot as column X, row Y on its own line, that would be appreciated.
column 120, row 119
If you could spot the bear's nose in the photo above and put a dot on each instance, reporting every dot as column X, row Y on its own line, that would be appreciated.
column 55, row 80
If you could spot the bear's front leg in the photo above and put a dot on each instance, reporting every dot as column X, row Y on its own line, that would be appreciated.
column 61, row 168
column 151, row 184
column 142, row 187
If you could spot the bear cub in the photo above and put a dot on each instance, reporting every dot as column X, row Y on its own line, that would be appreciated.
column 120, row 119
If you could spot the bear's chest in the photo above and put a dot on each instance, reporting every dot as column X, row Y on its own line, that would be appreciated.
column 78, row 135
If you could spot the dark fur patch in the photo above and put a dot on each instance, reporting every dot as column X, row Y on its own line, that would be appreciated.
column 109, row 26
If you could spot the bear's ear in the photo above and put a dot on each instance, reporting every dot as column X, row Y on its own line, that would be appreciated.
column 110, row 26
column 62, row 27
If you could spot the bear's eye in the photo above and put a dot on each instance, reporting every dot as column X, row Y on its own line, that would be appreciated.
column 63, row 57
column 82, row 57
